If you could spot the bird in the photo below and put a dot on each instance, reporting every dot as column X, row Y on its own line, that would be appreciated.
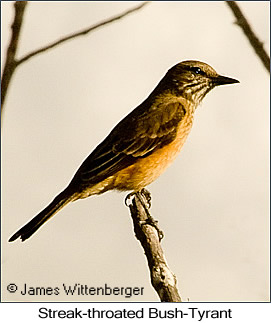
column 143, row 144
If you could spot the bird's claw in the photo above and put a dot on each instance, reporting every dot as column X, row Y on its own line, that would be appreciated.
column 128, row 199
column 144, row 196
column 147, row 196
column 153, row 223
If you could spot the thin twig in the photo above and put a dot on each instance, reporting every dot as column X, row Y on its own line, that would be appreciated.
column 253, row 39
column 10, row 63
column 162, row 278
column 80, row 33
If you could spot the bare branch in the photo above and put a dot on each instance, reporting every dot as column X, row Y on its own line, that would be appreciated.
column 80, row 33
column 10, row 63
column 162, row 279
column 253, row 39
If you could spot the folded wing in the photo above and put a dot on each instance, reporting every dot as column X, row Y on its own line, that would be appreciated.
column 136, row 136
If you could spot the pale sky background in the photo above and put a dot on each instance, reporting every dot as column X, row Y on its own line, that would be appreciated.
column 212, row 203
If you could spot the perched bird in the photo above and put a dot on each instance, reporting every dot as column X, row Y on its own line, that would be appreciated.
column 143, row 144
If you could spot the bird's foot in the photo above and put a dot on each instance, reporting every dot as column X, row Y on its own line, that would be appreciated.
column 154, row 223
column 147, row 196
column 144, row 197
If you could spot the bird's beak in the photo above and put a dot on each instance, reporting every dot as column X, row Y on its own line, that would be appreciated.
column 221, row 80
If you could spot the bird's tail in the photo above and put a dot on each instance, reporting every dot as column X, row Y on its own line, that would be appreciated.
column 33, row 225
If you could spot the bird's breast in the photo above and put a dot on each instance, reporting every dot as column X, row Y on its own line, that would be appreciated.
column 146, row 169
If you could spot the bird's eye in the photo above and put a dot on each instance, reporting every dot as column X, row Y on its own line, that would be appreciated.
column 197, row 70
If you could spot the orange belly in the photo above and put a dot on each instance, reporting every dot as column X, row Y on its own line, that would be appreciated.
column 146, row 170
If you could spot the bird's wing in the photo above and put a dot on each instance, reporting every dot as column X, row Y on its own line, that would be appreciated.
column 136, row 136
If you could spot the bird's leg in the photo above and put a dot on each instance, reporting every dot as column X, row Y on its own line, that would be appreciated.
column 128, row 199
column 144, row 197
column 147, row 196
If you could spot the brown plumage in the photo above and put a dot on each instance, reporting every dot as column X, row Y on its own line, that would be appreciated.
column 143, row 144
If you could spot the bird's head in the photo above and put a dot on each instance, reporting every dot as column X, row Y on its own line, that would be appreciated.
column 193, row 80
